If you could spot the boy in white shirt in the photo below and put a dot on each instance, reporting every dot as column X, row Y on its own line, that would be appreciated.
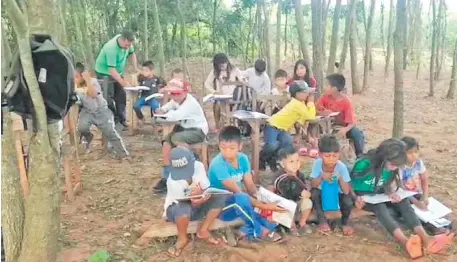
column 192, row 126
column 188, row 178
column 257, row 78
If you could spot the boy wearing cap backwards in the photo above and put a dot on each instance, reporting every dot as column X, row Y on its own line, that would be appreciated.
column 334, row 100
column 276, row 133
column 188, row 178
column 192, row 126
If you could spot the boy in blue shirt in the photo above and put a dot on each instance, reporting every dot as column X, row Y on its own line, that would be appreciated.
column 330, row 185
column 231, row 170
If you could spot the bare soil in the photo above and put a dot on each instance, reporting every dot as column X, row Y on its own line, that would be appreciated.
column 116, row 204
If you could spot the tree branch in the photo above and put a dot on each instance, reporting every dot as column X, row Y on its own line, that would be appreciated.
column 18, row 19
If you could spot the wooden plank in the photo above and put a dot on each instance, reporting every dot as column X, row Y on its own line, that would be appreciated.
column 21, row 165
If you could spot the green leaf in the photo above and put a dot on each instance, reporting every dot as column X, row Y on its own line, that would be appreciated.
column 100, row 256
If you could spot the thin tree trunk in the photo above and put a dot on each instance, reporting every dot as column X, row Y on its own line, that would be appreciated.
column 62, row 23
column 85, row 36
column 278, row 37
column 285, row 36
column 433, row 51
column 452, row 85
column 166, row 45
column 347, row 30
column 324, row 30
column 215, row 4
column 399, row 38
column 259, row 29
column 145, row 31
column 419, row 36
column 443, row 44
column 335, row 39
column 437, row 38
column 182, row 31
column 389, row 38
column 356, row 89
column 174, row 32
column 248, row 38
column 158, row 30
column 79, row 38
column 301, row 30
column 266, row 14
column 368, row 45
column 382, row 28
column 202, row 53
column 406, row 43
column 316, row 10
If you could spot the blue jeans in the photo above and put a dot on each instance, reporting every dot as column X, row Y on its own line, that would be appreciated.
column 357, row 136
column 239, row 205
column 153, row 103
column 274, row 140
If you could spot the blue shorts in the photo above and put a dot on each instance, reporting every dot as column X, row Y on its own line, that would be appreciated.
column 184, row 208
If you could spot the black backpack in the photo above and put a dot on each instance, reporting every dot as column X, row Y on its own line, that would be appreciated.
column 242, row 99
column 54, row 70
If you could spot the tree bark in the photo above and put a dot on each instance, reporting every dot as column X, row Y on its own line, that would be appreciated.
column 382, row 28
column 316, row 10
column 437, row 38
column 248, row 38
column 145, row 31
column 62, row 23
column 215, row 4
column 266, row 14
column 399, row 38
column 347, row 30
column 335, row 39
column 301, row 30
column 183, row 41
column 452, row 85
column 278, row 38
column 259, row 29
column 389, row 38
column 419, row 35
column 324, row 17
column 443, row 42
column 353, row 49
column 85, row 36
column 368, row 45
column 79, row 38
column 285, row 36
column 158, row 29
column 433, row 51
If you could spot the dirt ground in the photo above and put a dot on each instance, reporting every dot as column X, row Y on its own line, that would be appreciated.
column 117, row 205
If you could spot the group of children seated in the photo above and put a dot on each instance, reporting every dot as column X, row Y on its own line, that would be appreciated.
column 331, row 189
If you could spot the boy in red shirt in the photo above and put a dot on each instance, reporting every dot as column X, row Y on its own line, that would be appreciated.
column 334, row 100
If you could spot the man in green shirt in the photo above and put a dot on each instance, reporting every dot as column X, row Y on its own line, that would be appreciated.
column 110, row 65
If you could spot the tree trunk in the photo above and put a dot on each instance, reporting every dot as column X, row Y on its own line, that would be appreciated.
column 335, row 39
column 324, row 17
column 285, row 36
column 266, row 14
column 62, row 23
column 353, row 49
column 451, row 91
column 183, row 48
column 6, row 53
column 259, row 29
column 382, row 28
column 278, row 38
column 85, row 36
column 316, row 10
column 433, row 51
column 166, row 45
column 389, row 38
column 158, row 29
column 399, row 38
column 405, row 35
column 437, row 38
column 145, row 32
column 12, row 198
column 248, row 38
column 40, row 241
column 419, row 36
column 368, row 45
column 79, row 38
column 301, row 30
column 443, row 43
column 347, row 30
column 215, row 4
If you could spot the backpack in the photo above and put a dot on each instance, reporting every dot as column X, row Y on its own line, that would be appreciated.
column 54, row 70
column 242, row 99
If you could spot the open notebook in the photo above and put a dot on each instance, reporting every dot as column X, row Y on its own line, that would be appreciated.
column 136, row 88
column 381, row 198
column 286, row 219
column 436, row 211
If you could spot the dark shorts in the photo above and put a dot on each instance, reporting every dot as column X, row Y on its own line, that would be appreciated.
column 188, row 136
column 184, row 208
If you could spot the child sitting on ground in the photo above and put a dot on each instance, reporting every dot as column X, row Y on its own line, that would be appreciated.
column 231, row 170
column 292, row 184
column 192, row 126
column 148, row 79
column 330, row 182
column 188, row 178
column 281, row 87
column 276, row 133
column 334, row 100
column 95, row 111
column 375, row 173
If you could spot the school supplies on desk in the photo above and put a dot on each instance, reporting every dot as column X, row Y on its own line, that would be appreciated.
column 381, row 198
column 208, row 191
column 214, row 97
column 243, row 114
column 137, row 88
column 158, row 95
column 436, row 210
column 287, row 218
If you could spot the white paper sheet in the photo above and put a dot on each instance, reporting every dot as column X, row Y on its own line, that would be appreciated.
column 435, row 211
column 159, row 95
column 381, row 198
column 208, row 191
column 243, row 114
column 213, row 97
column 136, row 88
column 286, row 219
column 440, row 222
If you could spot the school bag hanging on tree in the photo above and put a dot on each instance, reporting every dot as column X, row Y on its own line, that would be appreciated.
column 54, row 70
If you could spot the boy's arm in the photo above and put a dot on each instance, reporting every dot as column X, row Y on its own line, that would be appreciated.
column 424, row 181
column 93, row 88
column 316, row 178
column 344, row 178
column 307, row 112
column 247, row 176
column 349, row 118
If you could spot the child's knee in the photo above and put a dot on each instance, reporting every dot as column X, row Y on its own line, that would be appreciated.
column 306, row 204
column 242, row 198
column 179, row 211
column 346, row 201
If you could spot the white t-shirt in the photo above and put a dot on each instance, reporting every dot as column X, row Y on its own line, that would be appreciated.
column 260, row 83
column 180, row 188
column 189, row 114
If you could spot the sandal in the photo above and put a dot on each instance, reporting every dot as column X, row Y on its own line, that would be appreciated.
column 211, row 240
column 176, row 250
column 414, row 247
column 273, row 237
column 439, row 243
column 294, row 231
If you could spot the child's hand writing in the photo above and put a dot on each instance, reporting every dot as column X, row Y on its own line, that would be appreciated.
column 421, row 205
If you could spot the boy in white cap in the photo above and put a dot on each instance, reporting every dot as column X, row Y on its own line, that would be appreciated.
column 188, row 178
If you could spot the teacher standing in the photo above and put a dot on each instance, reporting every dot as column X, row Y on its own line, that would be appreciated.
column 110, row 64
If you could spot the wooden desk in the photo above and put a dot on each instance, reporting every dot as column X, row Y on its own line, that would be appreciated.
column 271, row 101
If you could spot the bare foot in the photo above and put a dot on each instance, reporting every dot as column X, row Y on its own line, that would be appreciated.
column 177, row 249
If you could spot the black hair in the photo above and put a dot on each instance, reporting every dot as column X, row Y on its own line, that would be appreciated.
column 391, row 150
column 285, row 152
column 337, row 80
column 219, row 59
column 128, row 35
column 280, row 73
column 149, row 64
column 307, row 75
column 230, row 134
column 79, row 67
column 410, row 142
column 260, row 66
column 329, row 144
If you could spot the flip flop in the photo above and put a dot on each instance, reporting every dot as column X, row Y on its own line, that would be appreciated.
column 211, row 240
column 414, row 247
column 439, row 243
column 176, row 251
